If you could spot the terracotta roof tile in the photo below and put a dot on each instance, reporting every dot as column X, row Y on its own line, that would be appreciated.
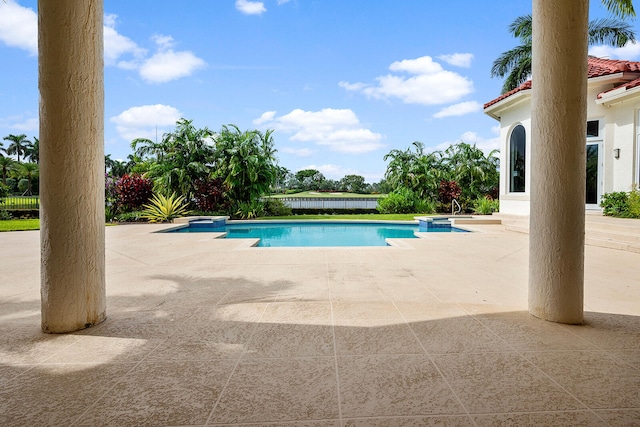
column 598, row 67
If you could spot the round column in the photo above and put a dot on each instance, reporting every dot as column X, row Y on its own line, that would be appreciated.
column 71, row 83
column 558, row 143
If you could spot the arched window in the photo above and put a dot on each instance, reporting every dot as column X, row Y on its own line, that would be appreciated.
column 517, row 159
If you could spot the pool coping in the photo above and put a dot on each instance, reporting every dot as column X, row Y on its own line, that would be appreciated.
column 465, row 223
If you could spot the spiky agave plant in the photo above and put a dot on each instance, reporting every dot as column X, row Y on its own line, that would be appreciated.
column 164, row 209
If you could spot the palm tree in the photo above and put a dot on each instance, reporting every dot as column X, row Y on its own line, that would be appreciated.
column 476, row 173
column 515, row 64
column 246, row 161
column 18, row 144
column 29, row 171
column 414, row 169
column 32, row 151
column 6, row 164
column 179, row 159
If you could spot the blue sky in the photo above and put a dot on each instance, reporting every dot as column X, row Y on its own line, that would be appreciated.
column 341, row 82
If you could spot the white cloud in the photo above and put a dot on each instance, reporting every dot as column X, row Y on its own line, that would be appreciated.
column 339, row 130
column 141, row 122
column 168, row 65
column 459, row 109
column 462, row 60
column 485, row 144
column 266, row 117
column 630, row 52
column 116, row 45
column 21, row 123
column 282, row 2
column 19, row 26
column 429, row 83
column 300, row 152
column 250, row 7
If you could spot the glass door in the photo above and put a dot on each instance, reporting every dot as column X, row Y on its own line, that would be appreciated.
column 594, row 175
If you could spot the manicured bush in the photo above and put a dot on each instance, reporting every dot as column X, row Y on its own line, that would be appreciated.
column 132, row 191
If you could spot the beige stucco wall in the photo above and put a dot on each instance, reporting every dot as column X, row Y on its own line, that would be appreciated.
column 619, row 127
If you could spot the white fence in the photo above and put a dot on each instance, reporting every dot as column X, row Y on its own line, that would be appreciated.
column 330, row 203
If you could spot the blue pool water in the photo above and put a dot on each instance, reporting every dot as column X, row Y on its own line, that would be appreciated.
column 297, row 234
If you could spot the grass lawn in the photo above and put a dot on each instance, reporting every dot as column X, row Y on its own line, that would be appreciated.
column 317, row 195
column 20, row 224
column 385, row 217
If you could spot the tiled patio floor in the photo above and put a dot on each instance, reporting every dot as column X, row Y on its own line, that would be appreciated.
column 202, row 332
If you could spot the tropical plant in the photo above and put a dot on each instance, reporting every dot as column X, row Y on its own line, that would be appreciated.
column 132, row 191
column 249, row 209
column 476, row 173
column 414, row 169
column 485, row 205
column 246, row 162
column 210, row 195
column 164, row 209
column 32, row 151
column 28, row 171
column 18, row 144
column 276, row 207
column 615, row 204
column 6, row 165
column 515, row 64
column 4, row 191
column 179, row 159
column 403, row 200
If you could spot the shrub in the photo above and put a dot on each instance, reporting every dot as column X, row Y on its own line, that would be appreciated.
column 23, row 184
column 425, row 206
column 5, row 215
column 12, row 184
column 447, row 191
column 615, row 204
column 210, row 195
column 135, row 216
column 403, row 200
column 249, row 210
column 132, row 192
column 634, row 203
column 164, row 209
column 275, row 207
column 485, row 205
column 4, row 190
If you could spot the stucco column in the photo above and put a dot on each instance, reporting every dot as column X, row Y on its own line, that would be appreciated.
column 71, row 83
column 559, row 116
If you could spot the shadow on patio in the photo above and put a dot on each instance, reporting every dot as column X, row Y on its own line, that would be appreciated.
column 232, row 350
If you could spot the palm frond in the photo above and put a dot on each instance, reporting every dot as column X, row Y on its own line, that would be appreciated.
column 620, row 8
column 610, row 31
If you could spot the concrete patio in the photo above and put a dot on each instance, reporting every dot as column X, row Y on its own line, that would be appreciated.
column 209, row 332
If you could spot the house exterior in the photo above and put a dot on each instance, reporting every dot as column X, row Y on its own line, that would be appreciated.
column 612, row 143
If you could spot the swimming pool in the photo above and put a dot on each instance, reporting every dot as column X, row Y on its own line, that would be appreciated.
column 317, row 234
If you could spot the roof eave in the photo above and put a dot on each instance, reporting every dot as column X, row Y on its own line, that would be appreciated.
column 617, row 96
column 494, row 110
